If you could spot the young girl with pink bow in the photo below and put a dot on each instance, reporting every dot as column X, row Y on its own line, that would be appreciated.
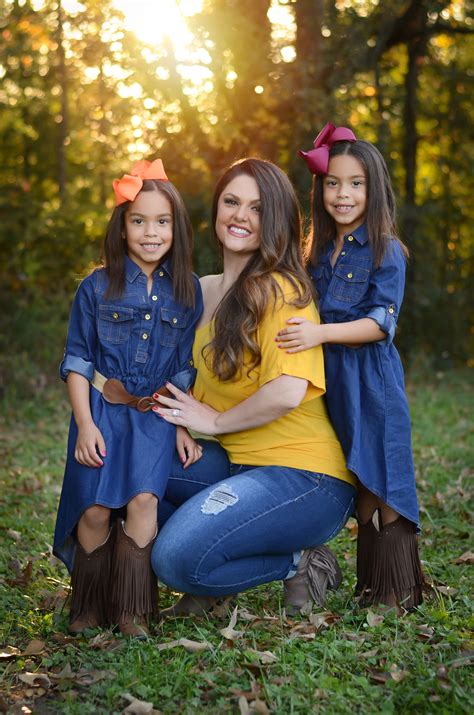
column 358, row 267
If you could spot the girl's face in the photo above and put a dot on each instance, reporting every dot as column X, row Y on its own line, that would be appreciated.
column 238, row 216
column 149, row 229
column 345, row 193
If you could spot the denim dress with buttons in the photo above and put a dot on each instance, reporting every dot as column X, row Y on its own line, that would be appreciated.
column 365, row 389
column 143, row 340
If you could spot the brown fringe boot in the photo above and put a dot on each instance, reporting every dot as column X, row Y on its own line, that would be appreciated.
column 317, row 571
column 90, row 586
column 134, row 590
column 388, row 563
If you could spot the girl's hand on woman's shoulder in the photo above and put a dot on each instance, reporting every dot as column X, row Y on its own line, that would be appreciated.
column 188, row 449
column 302, row 334
column 185, row 411
column 90, row 446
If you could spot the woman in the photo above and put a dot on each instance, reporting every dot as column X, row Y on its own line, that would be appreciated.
column 275, row 485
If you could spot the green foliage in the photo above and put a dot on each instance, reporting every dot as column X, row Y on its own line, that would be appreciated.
column 82, row 98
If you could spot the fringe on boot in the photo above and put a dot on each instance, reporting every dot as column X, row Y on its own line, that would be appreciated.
column 317, row 571
column 388, row 563
column 90, row 586
column 134, row 590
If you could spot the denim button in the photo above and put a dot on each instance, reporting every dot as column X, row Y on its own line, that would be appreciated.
column 147, row 316
column 154, row 297
column 161, row 274
column 350, row 238
column 349, row 275
column 145, row 336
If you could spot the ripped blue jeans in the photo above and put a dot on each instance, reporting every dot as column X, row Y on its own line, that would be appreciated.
column 231, row 527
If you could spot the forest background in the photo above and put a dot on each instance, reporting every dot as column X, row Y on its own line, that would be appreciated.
column 82, row 97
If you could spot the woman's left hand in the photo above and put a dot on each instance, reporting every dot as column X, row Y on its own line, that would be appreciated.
column 186, row 411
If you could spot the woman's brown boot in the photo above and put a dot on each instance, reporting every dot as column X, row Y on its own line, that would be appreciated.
column 317, row 571
column 388, row 564
column 90, row 586
column 134, row 590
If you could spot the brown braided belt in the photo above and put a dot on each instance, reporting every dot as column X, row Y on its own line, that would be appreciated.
column 114, row 392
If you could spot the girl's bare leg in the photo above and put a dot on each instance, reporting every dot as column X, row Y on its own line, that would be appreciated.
column 367, row 503
column 93, row 527
column 141, row 518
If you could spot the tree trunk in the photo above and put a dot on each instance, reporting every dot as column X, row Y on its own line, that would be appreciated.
column 64, row 123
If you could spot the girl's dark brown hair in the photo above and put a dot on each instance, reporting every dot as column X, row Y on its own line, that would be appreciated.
column 240, row 312
column 180, row 253
column 381, row 211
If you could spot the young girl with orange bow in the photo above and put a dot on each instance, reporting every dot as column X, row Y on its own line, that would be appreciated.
column 358, row 267
column 131, row 330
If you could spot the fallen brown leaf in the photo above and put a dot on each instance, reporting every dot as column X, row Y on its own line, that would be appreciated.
column 9, row 652
column 189, row 645
column 15, row 535
column 424, row 632
column 369, row 653
column 324, row 619
column 229, row 632
column 447, row 590
column 374, row 619
column 465, row 658
column 22, row 576
column 265, row 657
column 34, row 647
column 260, row 707
column 379, row 676
column 138, row 707
column 35, row 679
column 397, row 674
column 349, row 636
column 466, row 558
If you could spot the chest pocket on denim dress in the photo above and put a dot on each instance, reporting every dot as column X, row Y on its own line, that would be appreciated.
column 349, row 283
column 115, row 323
column 172, row 324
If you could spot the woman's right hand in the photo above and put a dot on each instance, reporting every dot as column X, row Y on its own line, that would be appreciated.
column 89, row 445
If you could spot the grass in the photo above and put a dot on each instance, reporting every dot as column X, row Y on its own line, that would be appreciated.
column 345, row 660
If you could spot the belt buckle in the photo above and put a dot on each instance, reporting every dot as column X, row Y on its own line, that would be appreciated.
column 144, row 404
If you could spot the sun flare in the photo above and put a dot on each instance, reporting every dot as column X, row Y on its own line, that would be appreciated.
column 154, row 20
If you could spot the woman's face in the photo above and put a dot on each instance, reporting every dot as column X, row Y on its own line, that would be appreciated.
column 238, row 216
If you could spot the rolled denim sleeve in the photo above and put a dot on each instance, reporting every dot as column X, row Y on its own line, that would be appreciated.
column 81, row 341
column 386, row 288
column 185, row 374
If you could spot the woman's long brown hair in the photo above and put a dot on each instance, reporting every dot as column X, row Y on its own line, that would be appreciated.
column 381, row 210
column 242, row 309
column 180, row 253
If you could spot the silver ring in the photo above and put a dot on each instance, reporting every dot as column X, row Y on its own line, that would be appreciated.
column 176, row 413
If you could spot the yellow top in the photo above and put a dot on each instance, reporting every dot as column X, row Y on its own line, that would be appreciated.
column 304, row 438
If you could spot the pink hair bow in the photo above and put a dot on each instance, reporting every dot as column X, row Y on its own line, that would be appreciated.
column 318, row 158
column 128, row 187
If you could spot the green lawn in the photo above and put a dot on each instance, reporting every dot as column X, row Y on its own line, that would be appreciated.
column 344, row 660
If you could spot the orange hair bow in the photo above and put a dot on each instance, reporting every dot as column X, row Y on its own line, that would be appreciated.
column 128, row 187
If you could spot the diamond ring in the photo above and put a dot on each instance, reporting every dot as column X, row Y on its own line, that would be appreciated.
column 175, row 413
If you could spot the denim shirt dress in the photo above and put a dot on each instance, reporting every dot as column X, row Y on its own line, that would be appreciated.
column 365, row 389
column 143, row 341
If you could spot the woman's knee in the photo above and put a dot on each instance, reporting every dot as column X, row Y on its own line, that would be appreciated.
column 96, row 517
column 173, row 566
